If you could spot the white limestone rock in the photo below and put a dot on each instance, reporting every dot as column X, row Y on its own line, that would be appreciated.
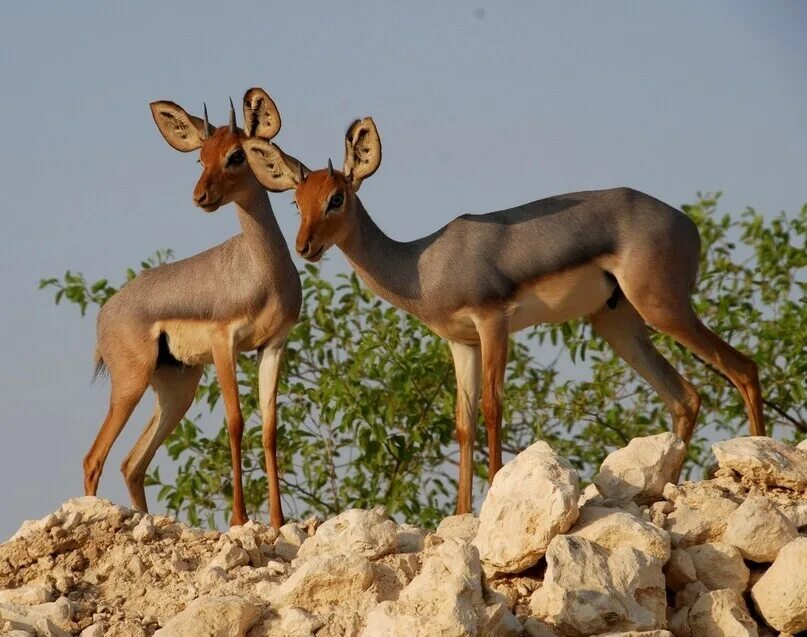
column 719, row 566
column 324, row 581
column 700, row 513
column 464, row 527
column 290, row 538
column 230, row 556
column 721, row 613
column 410, row 538
column 639, row 471
column 367, row 533
column 230, row 616
column 679, row 570
column 532, row 499
column 612, row 528
column 588, row 589
column 444, row 599
column 144, row 530
column 758, row 529
column 780, row 595
column 764, row 460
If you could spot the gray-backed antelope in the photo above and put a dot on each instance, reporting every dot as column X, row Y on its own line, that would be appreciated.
column 242, row 295
column 619, row 257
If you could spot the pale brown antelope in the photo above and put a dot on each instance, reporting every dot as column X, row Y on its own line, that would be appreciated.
column 618, row 257
column 242, row 295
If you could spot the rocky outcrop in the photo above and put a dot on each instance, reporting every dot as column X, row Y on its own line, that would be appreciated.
column 589, row 590
column 639, row 471
column 758, row 529
column 780, row 595
column 764, row 460
column 646, row 558
column 536, row 493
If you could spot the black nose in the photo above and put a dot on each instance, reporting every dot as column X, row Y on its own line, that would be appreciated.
column 201, row 197
column 305, row 249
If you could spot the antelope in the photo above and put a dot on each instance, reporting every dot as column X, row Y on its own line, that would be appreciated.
column 163, row 326
column 618, row 257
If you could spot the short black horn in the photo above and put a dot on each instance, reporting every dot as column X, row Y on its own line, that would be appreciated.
column 330, row 168
column 207, row 124
column 232, row 116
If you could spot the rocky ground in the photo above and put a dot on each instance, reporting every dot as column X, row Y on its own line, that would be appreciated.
column 631, row 554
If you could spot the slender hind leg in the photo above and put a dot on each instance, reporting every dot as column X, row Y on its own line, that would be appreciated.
column 739, row 369
column 626, row 332
column 493, row 336
column 662, row 300
column 467, row 365
column 127, row 390
column 175, row 388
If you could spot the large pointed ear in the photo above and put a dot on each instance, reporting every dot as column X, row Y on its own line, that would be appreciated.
column 274, row 169
column 261, row 118
column 362, row 151
column 182, row 131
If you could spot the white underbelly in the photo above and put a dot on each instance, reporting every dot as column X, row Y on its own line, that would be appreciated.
column 561, row 297
column 190, row 342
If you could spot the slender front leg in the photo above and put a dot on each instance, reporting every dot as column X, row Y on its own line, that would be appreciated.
column 467, row 365
column 493, row 336
column 269, row 360
column 224, row 360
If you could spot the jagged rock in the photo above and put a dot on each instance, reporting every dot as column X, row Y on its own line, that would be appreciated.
column 590, row 496
column 230, row 616
column 290, row 539
column 145, row 529
column 368, row 533
column 589, row 590
column 531, row 500
column 639, row 633
column 678, row 622
column 640, row 470
column 780, row 595
column 27, row 595
column 464, row 527
column 700, row 512
column 721, row 613
column 611, row 528
column 719, row 565
column 444, row 599
column 679, row 570
column 230, row 556
column 93, row 630
column 534, row 627
column 802, row 445
column 765, row 460
column 324, row 580
column 89, row 508
column 759, row 530
column 688, row 595
column 47, row 619
column 410, row 538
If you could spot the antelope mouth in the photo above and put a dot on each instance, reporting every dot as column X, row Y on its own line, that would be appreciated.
column 317, row 255
column 211, row 207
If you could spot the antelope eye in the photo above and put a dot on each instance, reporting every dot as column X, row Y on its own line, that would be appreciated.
column 336, row 201
column 236, row 158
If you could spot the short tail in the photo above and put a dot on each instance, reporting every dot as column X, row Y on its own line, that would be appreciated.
column 100, row 367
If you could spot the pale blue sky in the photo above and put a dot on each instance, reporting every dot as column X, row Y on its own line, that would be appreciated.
column 475, row 113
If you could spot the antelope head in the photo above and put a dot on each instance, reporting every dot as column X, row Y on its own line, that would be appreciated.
column 325, row 198
column 226, row 175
